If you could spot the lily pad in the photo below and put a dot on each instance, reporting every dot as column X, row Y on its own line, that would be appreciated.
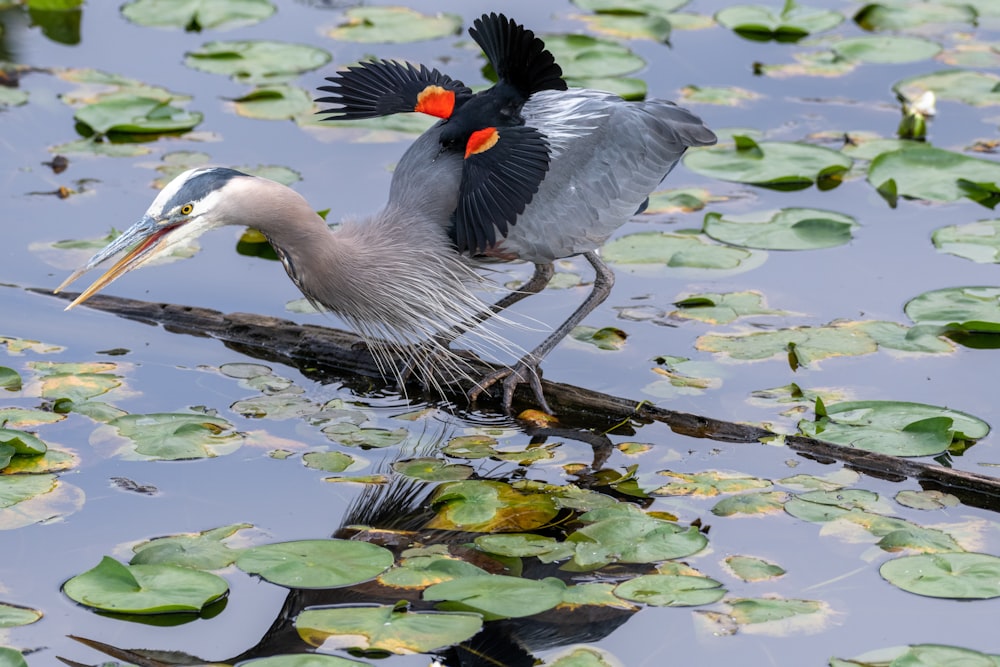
column 824, row 63
column 886, row 49
column 630, row 26
column 328, row 461
column 632, row 539
column 423, row 571
column 497, row 596
column 274, row 102
column 927, row 500
column 956, row 576
column 257, row 61
column 136, row 115
column 749, row 611
column 588, row 61
column 894, row 15
column 200, row 551
column 432, row 470
column 748, row 568
column 932, row 655
column 728, row 96
column 22, row 443
column 197, row 15
column 177, row 436
column 12, row 97
column 784, row 229
column 304, row 660
column 894, row 427
column 384, row 628
column 925, row 172
column 682, row 377
column 11, row 657
column 489, row 506
column 36, row 498
column 959, row 85
column 605, row 338
column 12, row 615
column 617, row 7
column 792, row 23
column 316, row 563
column 749, row 504
column 709, row 483
column 714, row 308
column 773, row 164
column 679, row 251
column 663, row 590
column 978, row 241
column 388, row 25
column 144, row 589
column 974, row 309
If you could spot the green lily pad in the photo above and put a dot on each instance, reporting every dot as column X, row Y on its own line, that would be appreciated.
column 471, row 446
column 78, row 387
column 931, row 655
column 275, row 102
column 144, row 589
column 176, row 436
column 631, row 539
column 728, row 96
column 750, row 611
column 197, row 15
column 489, row 506
column 350, row 435
column 136, row 115
column 784, row 229
column 11, row 657
column 12, row 615
column 328, row 461
column 257, row 61
column 497, row 596
column 630, row 26
column 589, row 61
column 384, row 628
column 978, row 241
column 807, row 344
column 748, row 568
column 959, row 85
column 12, row 97
column 520, row 545
column 925, row 172
column 824, row 63
column 790, row 24
column 277, row 406
column 678, row 251
column 96, row 85
column 10, row 379
column 199, row 551
column 708, row 483
column 423, row 571
column 432, row 470
column 617, row 7
column 304, row 660
column 895, row 15
column 24, row 444
column 25, row 417
column 605, row 338
column 35, row 498
column 316, row 563
column 927, row 500
column 972, row 54
column 886, row 49
column 894, row 427
column 389, row 25
column 773, row 164
column 683, row 377
column 975, row 309
column 956, row 576
column 680, row 200
column 663, row 590
column 716, row 308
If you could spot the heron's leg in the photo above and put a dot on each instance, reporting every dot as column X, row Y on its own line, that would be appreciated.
column 526, row 369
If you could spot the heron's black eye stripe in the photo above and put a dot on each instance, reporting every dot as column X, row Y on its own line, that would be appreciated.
column 186, row 209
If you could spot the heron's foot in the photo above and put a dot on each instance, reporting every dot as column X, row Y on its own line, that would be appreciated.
column 525, row 371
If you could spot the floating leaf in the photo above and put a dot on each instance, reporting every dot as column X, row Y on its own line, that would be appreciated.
column 926, row 500
column 36, row 498
column 978, row 241
column 959, row 85
column 709, row 483
column 825, row 63
column 24, row 444
column 976, row 309
column 303, row 660
column 12, row 97
column 886, row 49
column 784, row 229
column 393, row 24
column 277, row 407
column 682, row 377
column 328, row 461
column 616, row 7
column 767, row 502
column 384, row 628
column 925, row 172
column 931, row 655
column 432, row 470
column 630, row 26
column 682, row 251
column 716, row 308
column 748, row 611
column 730, row 96
column 275, row 102
column 257, row 61
column 423, row 571
column 956, row 576
column 12, row 615
column 136, row 115
column 489, row 506
column 177, row 436
column 605, row 338
column 197, row 15
column 350, row 435
column 522, row 545
column 11, row 657
column 632, row 539
column 316, row 563
column 809, row 343
column 748, row 568
column 893, row 15
column 200, row 551
column 497, row 596
column 661, row 590
column 680, row 200
column 144, row 589
column 773, row 164
column 589, row 62
column 791, row 24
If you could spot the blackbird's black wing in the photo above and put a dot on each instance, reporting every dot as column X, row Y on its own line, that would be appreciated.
column 517, row 56
column 384, row 87
column 503, row 169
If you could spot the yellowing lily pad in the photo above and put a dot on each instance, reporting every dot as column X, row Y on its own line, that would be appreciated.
column 423, row 571
column 36, row 498
column 144, row 589
column 784, row 229
column 394, row 24
column 773, row 164
column 489, row 506
column 197, row 15
column 175, row 436
column 709, row 483
column 432, row 470
column 630, row 26
column 730, row 96
column 605, row 338
column 765, row 502
column 384, row 628
column 956, row 576
column 12, row 615
column 328, row 461
column 316, row 563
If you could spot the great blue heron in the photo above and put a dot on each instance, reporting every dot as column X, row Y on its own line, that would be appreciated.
column 527, row 170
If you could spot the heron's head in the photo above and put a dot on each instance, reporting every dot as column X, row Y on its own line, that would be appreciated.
column 186, row 208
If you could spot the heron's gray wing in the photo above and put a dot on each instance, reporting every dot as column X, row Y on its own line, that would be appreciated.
column 384, row 87
column 517, row 56
column 502, row 171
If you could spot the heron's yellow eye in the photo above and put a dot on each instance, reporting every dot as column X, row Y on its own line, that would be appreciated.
column 186, row 209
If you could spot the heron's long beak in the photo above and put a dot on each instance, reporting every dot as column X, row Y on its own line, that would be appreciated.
column 146, row 239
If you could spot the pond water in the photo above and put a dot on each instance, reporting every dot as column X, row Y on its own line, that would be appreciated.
column 889, row 260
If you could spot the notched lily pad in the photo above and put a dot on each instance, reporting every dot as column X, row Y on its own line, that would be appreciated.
column 959, row 85
column 773, row 164
column 784, row 229
column 749, row 568
column 790, row 24
column 144, row 589
column 972, row 310
column 678, row 251
column 956, row 576
column 925, row 172
column 709, row 483
column 715, row 308
column 385, row 628
column 316, row 563
column 197, row 15
column 257, row 61
column 173, row 436
column 201, row 551
column 978, row 241
column 886, row 49
column 663, row 590
column 432, row 470
column 136, row 115
column 920, row 654
column 489, row 506
column 12, row 615
column 497, row 596
column 394, row 24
